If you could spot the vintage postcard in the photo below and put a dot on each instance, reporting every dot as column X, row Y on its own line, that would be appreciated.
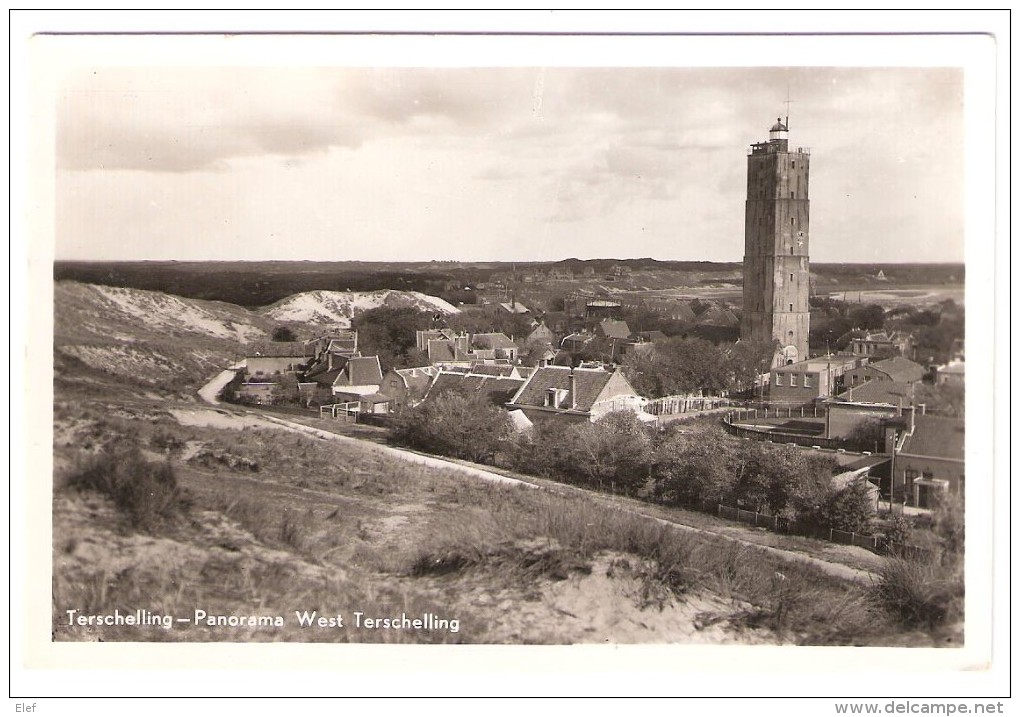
column 410, row 353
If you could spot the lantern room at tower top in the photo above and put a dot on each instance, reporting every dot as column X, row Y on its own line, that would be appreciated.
column 779, row 140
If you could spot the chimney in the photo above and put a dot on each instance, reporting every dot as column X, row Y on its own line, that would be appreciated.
column 573, row 390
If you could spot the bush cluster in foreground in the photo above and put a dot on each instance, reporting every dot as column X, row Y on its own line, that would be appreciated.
column 145, row 492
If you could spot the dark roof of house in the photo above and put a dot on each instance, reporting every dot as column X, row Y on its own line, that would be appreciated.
column 280, row 349
column 492, row 341
column 514, row 307
column 589, row 384
column 498, row 389
column 937, row 437
column 893, row 392
column 900, row 369
column 440, row 350
column 613, row 329
column 364, row 371
column 326, row 378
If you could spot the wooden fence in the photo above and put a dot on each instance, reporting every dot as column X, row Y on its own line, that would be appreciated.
column 673, row 405
column 778, row 524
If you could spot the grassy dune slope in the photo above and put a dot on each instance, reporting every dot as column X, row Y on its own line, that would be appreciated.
column 274, row 522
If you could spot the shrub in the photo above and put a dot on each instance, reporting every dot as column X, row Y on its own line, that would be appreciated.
column 452, row 424
column 851, row 509
column 923, row 593
column 146, row 492
column 613, row 452
column 693, row 468
column 897, row 532
column 283, row 333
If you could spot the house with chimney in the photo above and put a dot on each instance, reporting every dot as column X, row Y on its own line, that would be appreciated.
column 575, row 394
column 356, row 378
column 896, row 368
column 406, row 387
column 881, row 345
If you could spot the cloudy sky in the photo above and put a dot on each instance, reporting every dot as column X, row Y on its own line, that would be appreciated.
column 505, row 163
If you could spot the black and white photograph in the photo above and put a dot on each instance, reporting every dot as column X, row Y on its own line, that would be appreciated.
column 610, row 344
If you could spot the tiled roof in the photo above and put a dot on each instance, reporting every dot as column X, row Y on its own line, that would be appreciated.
column 492, row 341
column 893, row 392
column 440, row 350
column 613, row 329
column 364, row 371
column 497, row 389
column 515, row 307
column 326, row 378
column 683, row 312
column 280, row 349
column 900, row 369
column 589, row 384
column 937, row 437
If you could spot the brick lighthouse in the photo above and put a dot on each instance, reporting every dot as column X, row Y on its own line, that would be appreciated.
column 776, row 223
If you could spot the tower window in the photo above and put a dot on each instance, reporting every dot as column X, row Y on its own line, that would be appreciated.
column 791, row 307
column 791, row 195
column 791, row 251
column 793, row 165
column 791, row 221
column 791, row 277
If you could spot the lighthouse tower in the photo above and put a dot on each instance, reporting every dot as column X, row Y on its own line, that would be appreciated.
column 776, row 276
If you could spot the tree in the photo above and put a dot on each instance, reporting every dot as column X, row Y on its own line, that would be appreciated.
column 869, row 316
column 390, row 333
column 748, row 360
column 851, row 509
column 283, row 333
column 679, row 366
column 693, row 467
column 615, row 450
column 454, row 424
column 781, row 480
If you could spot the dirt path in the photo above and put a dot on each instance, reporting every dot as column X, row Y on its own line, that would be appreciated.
column 211, row 390
column 835, row 569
